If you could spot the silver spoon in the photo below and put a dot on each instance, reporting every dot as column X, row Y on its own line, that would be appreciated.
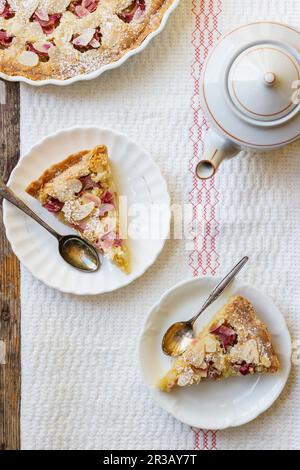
column 73, row 249
column 180, row 334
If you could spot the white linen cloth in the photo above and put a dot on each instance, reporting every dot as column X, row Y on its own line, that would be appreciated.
column 81, row 386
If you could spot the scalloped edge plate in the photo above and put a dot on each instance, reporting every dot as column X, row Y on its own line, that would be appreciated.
column 212, row 405
column 137, row 177
column 101, row 70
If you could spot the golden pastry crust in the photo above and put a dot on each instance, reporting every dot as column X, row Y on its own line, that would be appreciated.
column 243, row 347
column 117, row 36
column 80, row 191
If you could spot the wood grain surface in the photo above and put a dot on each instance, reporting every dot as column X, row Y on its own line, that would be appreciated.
column 10, row 364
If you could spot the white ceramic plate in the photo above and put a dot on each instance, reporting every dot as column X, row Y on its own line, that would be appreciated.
column 212, row 405
column 137, row 177
column 104, row 68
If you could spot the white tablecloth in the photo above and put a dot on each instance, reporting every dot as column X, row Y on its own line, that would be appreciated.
column 81, row 386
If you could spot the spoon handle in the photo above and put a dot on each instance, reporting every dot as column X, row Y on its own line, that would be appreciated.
column 221, row 286
column 10, row 196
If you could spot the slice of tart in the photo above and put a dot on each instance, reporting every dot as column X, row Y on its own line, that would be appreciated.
column 81, row 192
column 235, row 343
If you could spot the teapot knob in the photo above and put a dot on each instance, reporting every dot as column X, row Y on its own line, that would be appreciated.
column 270, row 79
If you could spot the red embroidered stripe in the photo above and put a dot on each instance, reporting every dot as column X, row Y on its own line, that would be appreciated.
column 204, row 258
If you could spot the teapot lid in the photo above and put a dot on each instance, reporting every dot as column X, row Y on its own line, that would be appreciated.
column 260, row 82
column 250, row 82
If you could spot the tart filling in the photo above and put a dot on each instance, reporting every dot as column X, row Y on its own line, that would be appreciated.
column 84, row 34
column 81, row 192
column 235, row 343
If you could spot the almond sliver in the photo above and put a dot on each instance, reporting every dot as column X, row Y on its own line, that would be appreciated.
column 85, row 38
column 84, row 211
column 2, row 6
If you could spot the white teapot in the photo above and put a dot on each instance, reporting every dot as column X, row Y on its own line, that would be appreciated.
column 250, row 92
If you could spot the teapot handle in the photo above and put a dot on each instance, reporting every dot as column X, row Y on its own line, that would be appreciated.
column 216, row 149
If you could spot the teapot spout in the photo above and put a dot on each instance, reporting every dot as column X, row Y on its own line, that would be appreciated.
column 217, row 149
column 207, row 168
